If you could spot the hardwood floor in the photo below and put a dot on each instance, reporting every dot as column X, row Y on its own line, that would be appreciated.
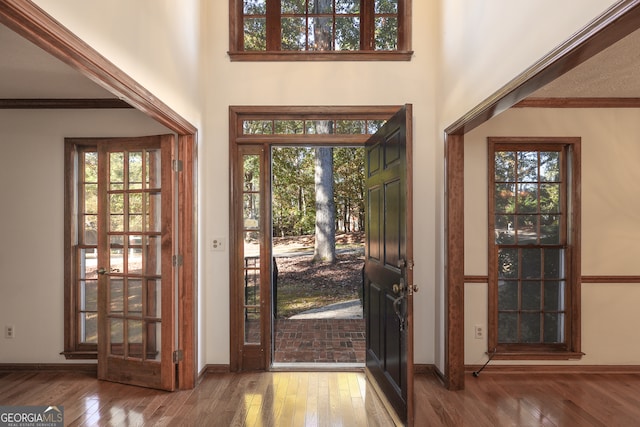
column 332, row 399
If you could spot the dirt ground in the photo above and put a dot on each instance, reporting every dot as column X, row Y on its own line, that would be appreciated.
column 304, row 285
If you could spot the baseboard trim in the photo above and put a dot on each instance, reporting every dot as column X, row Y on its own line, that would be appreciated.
column 88, row 368
column 556, row 369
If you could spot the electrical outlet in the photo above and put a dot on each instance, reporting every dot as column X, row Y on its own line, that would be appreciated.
column 479, row 332
column 9, row 331
column 217, row 244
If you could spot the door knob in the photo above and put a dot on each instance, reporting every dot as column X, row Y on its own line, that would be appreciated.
column 102, row 271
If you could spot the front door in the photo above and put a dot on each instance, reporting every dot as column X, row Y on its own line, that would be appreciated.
column 389, row 262
column 136, row 312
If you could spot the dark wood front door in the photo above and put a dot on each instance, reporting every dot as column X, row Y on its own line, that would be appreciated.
column 136, row 314
column 389, row 262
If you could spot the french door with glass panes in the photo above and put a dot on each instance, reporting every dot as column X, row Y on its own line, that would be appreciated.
column 130, row 181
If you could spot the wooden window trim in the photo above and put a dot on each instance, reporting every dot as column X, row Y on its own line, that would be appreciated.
column 571, row 349
column 237, row 52
column 73, row 347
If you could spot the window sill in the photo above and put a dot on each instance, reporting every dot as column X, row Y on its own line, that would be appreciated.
column 78, row 355
column 537, row 355
column 321, row 56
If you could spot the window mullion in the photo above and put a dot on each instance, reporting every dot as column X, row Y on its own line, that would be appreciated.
column 274, row 25
column 367, row 25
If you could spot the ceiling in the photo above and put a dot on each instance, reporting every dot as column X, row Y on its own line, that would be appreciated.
column 26, row 71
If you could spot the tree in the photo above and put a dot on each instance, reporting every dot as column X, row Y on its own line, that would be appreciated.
column 325, row 245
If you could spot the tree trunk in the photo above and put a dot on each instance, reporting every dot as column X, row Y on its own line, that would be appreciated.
column 325, row 246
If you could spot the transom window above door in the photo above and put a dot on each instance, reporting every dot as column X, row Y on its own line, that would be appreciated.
column 293, row 30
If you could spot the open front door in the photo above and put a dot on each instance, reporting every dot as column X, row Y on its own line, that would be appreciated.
column 389, row 262
column 136, row 314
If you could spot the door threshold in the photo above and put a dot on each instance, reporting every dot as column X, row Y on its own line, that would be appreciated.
column 327, row 367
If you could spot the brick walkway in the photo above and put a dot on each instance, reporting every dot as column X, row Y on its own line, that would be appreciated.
column 319, row 341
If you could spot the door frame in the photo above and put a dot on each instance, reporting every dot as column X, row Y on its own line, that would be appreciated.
column 611, row 26
column 34, row 24
column 243, row 356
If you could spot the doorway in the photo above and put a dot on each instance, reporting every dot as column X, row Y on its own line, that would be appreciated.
column 317, row 283
column 388, row 276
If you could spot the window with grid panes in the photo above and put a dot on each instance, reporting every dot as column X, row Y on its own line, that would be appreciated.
column 533, row 224
column 319, row 29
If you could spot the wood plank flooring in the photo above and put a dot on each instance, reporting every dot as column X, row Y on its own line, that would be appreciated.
column 332, row 399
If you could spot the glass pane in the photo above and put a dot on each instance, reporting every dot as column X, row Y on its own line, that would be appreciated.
column 89, row 328
column 135, row 222
column 347, row 33
column 527, row 166
column 554, row 296
column 507, row 327
column 531, row 295
column 134, row 257
column 505, row 166
column 116, row 295
column 88, row 264
column 386, row 6
column 116, row 223
column 505, row 199
column 255, row 34
column 320, row 34
column 153, row 201
column 549, row 230
column 252, row 326
column 347, row 6
column 531, row 263
column 154, row 341
column 289, row 127
column 293, row 34
column 527, row 198
column 374, row 126
column 554, row 328
column 90, row 199
column 251, row 210
column 251, row 244
column 135, row 171
column 255, row 7
column 504, row 229
column 550, row 166
column 554, row 263
column 116, row 171
column 550, row 198
column 351, row 127
column 90, row 230
column 134, row 338
column 134, row 297
column 89, row 295
column 251, row 168
column 530, row 328
column 116, row 260
column 508, row 263
column 293, row 6
column 90, row 166
column 319, row 127
column 257, row 127
column 117, row 335
column 251, row 286
column 153, row 172
column 507, row 295
column 386, row 33
column 153, row 255
column 154, row 294
column 116, row 204
column 135, row 203
column 527, row 229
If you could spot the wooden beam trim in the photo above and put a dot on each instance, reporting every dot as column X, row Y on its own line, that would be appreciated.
column 54, row 104
column 610, row 279
column 555, row 369
column 614, row 24
column 579, row 103
column 34, row 24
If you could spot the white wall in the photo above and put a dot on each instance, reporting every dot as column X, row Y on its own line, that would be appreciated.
column 32, row 221
column 610, row 223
